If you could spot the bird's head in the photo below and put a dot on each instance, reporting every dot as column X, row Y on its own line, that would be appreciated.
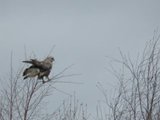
column 51, row 59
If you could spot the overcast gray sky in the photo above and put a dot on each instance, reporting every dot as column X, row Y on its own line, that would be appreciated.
column 84, row 32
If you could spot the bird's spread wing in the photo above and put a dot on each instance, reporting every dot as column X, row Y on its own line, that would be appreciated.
column 40, row 64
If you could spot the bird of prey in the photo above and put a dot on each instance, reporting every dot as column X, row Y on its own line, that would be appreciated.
column 38, row 68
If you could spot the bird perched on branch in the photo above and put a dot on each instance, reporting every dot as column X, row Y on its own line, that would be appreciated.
column 38, row 68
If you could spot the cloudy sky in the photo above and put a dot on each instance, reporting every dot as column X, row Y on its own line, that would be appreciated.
column 83, row 31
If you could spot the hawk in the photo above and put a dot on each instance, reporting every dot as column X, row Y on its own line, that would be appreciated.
column 38, row 68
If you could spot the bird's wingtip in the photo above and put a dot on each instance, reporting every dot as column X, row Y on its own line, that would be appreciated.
column 25, row 61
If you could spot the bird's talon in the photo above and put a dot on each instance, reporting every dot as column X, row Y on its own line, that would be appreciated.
column 43, row 81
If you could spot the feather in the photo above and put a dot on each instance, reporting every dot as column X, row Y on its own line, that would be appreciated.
column 38, row 68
